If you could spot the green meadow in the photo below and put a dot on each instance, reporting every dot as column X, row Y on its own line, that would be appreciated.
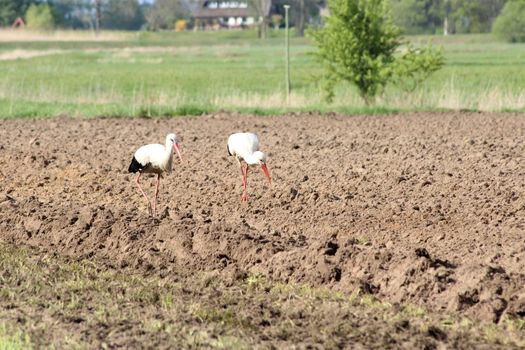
column 150, row 74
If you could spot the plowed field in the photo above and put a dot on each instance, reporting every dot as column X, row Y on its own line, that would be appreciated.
column 425, row 209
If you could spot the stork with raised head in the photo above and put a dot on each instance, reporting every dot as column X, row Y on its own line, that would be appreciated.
column 154, row 159
column 244, row 146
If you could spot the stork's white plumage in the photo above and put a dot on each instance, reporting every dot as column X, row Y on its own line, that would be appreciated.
column 245, row 147
column 154, row 159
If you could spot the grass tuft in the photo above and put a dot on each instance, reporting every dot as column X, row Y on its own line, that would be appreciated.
column 13, row 339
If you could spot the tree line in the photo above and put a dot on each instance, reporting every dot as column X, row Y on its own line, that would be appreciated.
column 412, row 16
column 93, row 14
column 454, row 16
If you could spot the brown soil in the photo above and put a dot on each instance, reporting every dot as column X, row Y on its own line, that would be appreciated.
column 426, row 209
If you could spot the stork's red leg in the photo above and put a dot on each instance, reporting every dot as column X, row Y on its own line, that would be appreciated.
column 142, row 191
column 244, row 197
column 243, row 181
column 156, row 195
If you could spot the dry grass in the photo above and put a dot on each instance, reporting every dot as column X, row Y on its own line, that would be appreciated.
column 496, row 99
column 257, row 100
column 493, row 99
column 7, row 35
column 23, row 54
column 117, row 54
column 450, row 98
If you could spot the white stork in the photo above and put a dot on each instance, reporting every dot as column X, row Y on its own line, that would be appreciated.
column 245, row 147
column 154, row 159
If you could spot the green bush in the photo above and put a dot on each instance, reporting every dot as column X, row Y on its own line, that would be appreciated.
column 510, row 24
column 359, row 45
column 40, row 17
column 415, row 65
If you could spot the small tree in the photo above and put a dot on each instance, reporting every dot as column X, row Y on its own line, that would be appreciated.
column 359, row 44
column 40, row 17
column 510, row 25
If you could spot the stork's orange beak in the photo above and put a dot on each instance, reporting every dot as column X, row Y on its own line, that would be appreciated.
column 176, row 149
column 266, row 172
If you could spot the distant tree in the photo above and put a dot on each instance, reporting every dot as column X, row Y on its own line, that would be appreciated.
column 302, row 12
column 262, row 13
column 300, row 23
column 122, row 14
column 474, row 16
column 7, row 12
column 76, row 14
column 11, row 9
column 98, row 15
column 510, row 25
column 358, row 45
column 428, row 16
column 418, row 16
column 40, row 17
column 163, row 14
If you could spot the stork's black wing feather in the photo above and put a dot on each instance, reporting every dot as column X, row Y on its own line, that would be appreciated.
column 135, row 166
